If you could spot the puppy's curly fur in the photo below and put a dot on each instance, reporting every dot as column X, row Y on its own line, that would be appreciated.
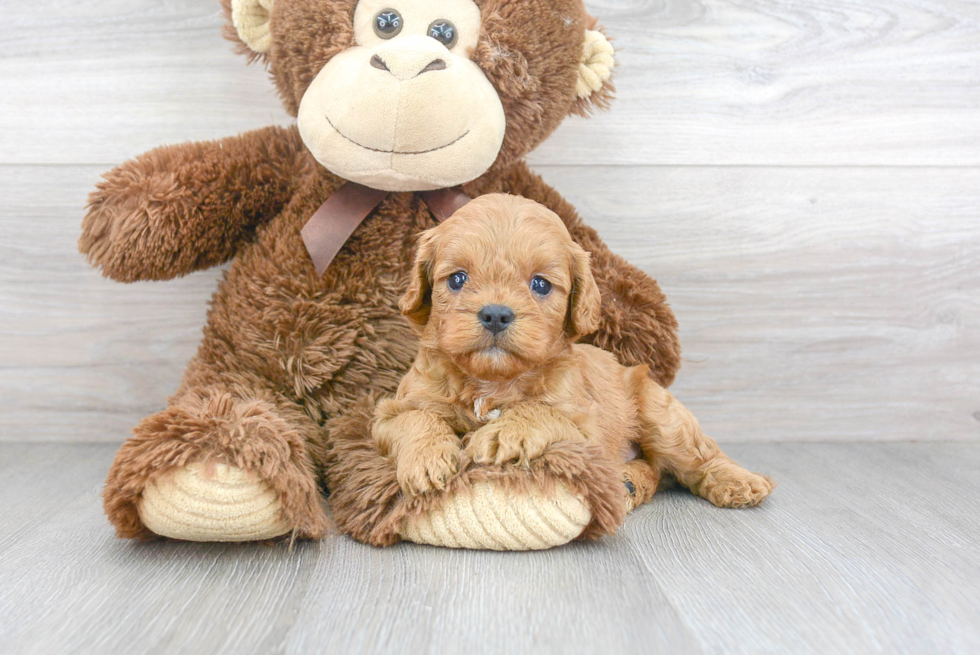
column 508, row 392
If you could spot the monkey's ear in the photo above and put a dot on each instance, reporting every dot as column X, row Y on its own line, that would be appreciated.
column 585, row 301
column 250, row 19
column 416, row 304
column 593, row 89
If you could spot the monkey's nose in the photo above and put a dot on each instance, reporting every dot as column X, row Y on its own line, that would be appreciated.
column 408, row 67
column 496, row 318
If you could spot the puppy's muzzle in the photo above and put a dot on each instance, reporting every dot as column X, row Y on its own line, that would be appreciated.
column 496, row 318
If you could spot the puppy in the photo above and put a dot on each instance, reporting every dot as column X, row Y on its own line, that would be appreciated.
column 498, row 295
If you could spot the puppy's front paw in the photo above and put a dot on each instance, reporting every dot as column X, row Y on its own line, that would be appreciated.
column 735, row 487
column 502, row 441
column 428, row 468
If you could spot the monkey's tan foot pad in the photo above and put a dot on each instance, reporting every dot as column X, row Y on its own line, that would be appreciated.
column 494, row 518
column 220, row 503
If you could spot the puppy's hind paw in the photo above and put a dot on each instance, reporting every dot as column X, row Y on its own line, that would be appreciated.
column 735, row 488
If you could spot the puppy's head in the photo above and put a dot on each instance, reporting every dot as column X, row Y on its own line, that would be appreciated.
column 500, row 288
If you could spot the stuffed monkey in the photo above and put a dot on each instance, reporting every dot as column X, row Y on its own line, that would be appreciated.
column 403, row 109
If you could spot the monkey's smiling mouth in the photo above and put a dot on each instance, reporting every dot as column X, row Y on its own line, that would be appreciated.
column 394, row 152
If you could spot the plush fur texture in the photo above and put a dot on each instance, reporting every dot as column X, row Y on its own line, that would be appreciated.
column 513, row 396
column 369, row 505
column 259, row 435
column 287, row 354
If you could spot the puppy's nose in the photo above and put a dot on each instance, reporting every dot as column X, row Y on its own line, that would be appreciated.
column 496, row 318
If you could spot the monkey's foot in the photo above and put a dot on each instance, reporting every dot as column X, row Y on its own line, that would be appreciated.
column 216, row 503
column 495, row 518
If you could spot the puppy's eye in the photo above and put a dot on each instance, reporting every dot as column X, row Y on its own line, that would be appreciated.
column 456, row 281
column 540, row 286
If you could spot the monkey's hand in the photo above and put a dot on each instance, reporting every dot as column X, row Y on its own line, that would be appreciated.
column 183, row 208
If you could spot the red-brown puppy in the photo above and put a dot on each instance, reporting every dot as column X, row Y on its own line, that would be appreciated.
column 499, row 295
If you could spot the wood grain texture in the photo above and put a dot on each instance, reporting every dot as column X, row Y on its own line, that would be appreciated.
column 828, row 82
column 753, row 82
column 81, row 358
column 863, row 548
column 814, row 303
column 102, row 81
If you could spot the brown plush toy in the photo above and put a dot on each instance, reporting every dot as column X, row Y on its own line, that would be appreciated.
column 397, row 103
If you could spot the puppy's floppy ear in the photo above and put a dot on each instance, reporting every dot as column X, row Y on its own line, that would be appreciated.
column 417, row 301
column 584, row 301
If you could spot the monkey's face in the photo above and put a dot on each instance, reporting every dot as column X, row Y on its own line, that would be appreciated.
column 405, row 108
column 412, row 95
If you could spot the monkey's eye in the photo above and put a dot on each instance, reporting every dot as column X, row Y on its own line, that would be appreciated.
column 540, row 286
column 456, row 281
column 388, row 23
column 444, row 32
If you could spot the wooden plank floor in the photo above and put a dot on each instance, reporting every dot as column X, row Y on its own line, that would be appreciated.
column 862, row 548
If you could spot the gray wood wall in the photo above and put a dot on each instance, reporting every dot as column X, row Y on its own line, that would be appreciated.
column 802, row 177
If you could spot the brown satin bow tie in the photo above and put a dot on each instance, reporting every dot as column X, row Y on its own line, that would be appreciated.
column 332, row 224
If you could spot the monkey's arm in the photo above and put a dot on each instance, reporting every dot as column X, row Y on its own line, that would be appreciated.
column 178, row 209
column 636, row 323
